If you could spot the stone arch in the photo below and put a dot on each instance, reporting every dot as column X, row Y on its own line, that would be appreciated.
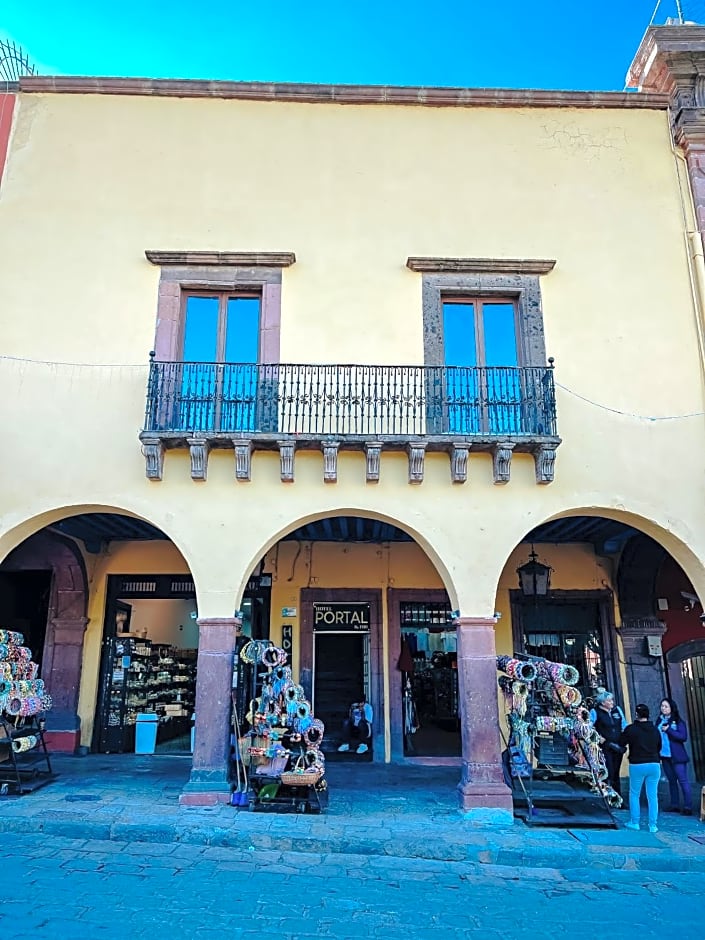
column 386, row 654
column 416, row 534
column 13, row 537
column 634, row 581
column 31, row 544
column 657, row 530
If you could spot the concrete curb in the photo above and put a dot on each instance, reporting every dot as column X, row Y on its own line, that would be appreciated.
column 478, row 847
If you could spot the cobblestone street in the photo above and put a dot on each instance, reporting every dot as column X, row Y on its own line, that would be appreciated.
column 59, row 888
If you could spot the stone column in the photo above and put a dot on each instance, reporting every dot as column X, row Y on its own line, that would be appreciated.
column 210, row 781
column 483, row 792
column 645, row 673
column 62, row 678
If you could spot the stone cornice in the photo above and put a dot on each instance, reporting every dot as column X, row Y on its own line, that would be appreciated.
column 666, row 55
column 236, row 259
column 341, row 94
column 480, row 265
column 542, row 449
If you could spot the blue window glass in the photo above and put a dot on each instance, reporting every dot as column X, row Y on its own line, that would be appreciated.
column 482, row 384
column 460, row 348
column 503, row 379
column 201, row 329
column 499, row 334
column 200, row 351
column 219, row 375
column 459, row 334
column 240, row 381
column 242, row 329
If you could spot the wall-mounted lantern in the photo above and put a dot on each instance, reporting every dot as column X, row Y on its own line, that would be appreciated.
column 534, row 578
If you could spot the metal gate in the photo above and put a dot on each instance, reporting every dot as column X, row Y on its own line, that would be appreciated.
column 693, row 675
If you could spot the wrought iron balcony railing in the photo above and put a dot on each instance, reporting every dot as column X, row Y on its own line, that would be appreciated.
column 350, row 401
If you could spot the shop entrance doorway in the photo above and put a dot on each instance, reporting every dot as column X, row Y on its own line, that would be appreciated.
column 573, row 627
column 428, row 664
column 341, row 677
column 149, row 660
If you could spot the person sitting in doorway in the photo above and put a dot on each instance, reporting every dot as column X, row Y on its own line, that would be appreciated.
column 357, row 727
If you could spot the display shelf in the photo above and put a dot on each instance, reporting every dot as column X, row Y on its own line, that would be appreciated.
column 144, row 677
column 25, row 771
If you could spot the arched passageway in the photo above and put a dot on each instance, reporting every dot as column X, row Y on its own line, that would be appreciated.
column 85, row 590
column 618, row 606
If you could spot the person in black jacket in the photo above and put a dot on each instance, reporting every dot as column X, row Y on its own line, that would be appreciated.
column 609, row 723
column 644, row 743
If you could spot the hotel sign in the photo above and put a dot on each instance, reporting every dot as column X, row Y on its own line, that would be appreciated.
column 332, row 618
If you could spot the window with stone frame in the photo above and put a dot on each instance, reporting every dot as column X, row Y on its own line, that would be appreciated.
column 217, row 339
column 483, row 334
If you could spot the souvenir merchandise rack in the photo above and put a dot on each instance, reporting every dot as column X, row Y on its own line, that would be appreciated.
column 550, row 731
column 278, row 762
column 24, row 759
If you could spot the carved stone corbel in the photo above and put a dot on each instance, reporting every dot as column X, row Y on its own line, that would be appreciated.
column 502, row 461
column 330, row 461
column 243, row 460
column 459, row 463
column 198, row 449
column 373, row 452
column 417, row 453
column 286, row 460
column 153, row 450
column 544, row 461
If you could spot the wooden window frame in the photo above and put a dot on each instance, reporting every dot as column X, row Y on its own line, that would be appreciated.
column 479, row 300
column 223, row 297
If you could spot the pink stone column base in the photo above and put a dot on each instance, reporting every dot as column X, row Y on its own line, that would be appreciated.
column 210, row 781
column 482, row 783
column 212, row 798
column 62, row 742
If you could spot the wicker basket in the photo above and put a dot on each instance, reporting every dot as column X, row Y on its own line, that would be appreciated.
column 301, row 776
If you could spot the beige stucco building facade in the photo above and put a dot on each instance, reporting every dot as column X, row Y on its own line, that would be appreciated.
column 355, row 219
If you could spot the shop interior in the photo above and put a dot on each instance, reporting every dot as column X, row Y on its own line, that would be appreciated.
column 430, row 685
column 150, row 676
column 150, row 652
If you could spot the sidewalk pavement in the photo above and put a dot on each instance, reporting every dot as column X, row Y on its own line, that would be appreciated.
column 385, row 810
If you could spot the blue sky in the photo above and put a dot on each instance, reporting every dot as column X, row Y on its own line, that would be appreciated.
column 576, row 44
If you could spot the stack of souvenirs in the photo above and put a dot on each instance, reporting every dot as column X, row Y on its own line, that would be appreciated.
column 22, row 694
column 556, row 708
column 284, row 739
